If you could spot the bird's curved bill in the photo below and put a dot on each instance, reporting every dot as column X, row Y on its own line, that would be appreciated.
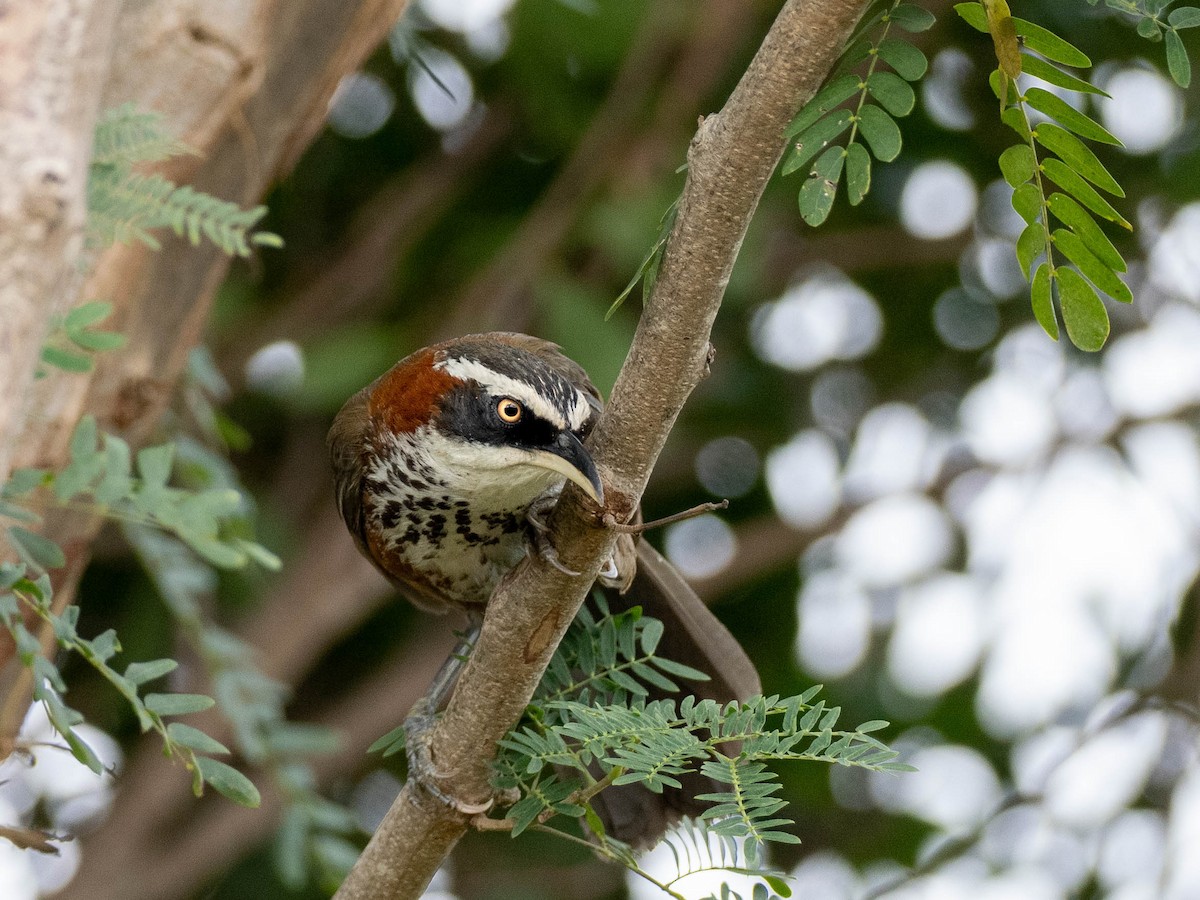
column 568, row 457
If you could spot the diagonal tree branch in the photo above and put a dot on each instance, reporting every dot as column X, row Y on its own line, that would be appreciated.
column 730, row 161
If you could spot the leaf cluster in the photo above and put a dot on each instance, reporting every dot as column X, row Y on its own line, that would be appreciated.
column 102, row 467
column 655, row 743
column 124, row 204
column 1154, row 27
column 315, row 832
column 593, row 724
column 604, row 658
column 179, row 533
column 74, row 337
column 863, row 101
column 609, row 658
column 696, row 850
column 195, row 749
column 1078, row 260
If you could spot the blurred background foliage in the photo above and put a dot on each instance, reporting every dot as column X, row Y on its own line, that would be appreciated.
column 890, row 425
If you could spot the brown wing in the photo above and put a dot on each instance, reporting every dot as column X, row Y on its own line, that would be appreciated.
column 347, row 437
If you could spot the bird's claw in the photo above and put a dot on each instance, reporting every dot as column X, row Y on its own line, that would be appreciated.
column 538, row 510
column 417, row 730
column 536, row 516
column 547, row 552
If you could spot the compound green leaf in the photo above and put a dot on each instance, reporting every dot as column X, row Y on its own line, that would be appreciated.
column 229, row 781
column 836, row 92
column 1068, row 116
column 680, row 670
column 892, row 92
column 142, row 672
column 1014, row 116
column 290, row 740
column 1030, row 245
column 105, row 645
column 1178, row 63
column 83, row 438
column 1039, row 68
column 154, row 464
column 67, row 360
column 1096, row 271
column 80, row 749
column 220, row 554
column 818, row 192
column 116, row 483
column 85, row 467
column 1027, row 201
column 1083, row 311
column 21, row 514
column 1184, row 17
column 881, row 132
column 1050, row 45
column 859, row 49
column 98, row 341
column 972, row 13
column 858, row 173
column 1150, row 30
column 1067, row 179
column 177, row 704
column 393, row 741
column 260, row 554
column 912, row 18
column 1043, row 303
column 1017, row 163
column 812, row 141
column 22, row 481
column 194, row 739
column 1081, row 222
column 1074, row 153
column 36, row 549
column 87, row 314
column 909, row 62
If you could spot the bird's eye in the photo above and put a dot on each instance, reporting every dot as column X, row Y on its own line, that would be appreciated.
column 509, row 411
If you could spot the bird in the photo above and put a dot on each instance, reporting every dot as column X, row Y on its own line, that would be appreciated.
column 444, row 468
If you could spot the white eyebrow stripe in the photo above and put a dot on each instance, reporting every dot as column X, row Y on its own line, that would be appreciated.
column 581, row 411
column 505, row 386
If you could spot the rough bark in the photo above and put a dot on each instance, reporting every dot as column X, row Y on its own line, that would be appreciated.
column 730, row 161
column 247, row 85
column 53, row 60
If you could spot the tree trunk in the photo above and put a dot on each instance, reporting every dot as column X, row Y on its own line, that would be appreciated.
column 247, row 84
column 53, row 61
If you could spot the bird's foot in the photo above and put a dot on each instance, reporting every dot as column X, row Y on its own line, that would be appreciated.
column 418, row 729
column 540, row 538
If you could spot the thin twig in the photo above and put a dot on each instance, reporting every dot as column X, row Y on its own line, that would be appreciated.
column 641, row 527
